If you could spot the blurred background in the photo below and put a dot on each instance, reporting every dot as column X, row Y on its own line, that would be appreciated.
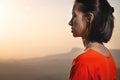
column 36, row 42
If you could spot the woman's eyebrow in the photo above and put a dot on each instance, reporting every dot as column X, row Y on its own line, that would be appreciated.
column 73, row 12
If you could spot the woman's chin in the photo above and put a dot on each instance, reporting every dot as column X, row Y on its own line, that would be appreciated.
column 74, row 35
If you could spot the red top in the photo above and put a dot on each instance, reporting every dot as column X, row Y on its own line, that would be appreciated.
column 92, row 65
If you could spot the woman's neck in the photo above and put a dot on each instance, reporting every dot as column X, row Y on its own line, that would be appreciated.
column 99, row 47
column 87, row 44
column 94, row 45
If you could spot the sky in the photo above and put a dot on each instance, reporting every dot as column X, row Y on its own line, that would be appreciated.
column 37, row 28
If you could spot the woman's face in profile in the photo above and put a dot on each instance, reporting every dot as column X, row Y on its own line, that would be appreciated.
column 77, row 22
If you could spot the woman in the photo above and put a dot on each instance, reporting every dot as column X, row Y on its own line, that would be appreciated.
column 93, row 20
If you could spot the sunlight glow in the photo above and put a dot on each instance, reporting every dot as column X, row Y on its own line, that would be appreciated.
column 3, row 10
column 3, row 16
column 37, row 28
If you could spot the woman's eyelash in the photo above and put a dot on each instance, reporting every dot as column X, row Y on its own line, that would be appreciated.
column 74, row 15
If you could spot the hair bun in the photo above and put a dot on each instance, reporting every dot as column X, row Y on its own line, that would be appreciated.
column 112, row 9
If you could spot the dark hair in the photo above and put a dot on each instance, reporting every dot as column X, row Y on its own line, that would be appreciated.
column 101, row 28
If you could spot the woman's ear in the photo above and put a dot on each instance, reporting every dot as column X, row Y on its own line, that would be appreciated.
column 91, row 17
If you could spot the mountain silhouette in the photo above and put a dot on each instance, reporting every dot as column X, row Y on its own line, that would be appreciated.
column 54, row 67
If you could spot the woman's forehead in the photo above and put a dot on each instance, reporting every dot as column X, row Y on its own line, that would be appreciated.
column 75, row 7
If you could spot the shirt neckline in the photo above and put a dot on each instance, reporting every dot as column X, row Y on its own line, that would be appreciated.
column 99, row 53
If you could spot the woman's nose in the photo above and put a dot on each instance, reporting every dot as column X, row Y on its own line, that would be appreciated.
column 70, row 22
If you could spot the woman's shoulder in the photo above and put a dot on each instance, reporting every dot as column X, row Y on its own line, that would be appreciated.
column 90, row 56
column 89, row 53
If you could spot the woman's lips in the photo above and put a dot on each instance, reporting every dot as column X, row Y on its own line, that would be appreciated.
column 72, row 30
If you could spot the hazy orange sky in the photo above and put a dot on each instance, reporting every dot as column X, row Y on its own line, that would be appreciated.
column 36, row 28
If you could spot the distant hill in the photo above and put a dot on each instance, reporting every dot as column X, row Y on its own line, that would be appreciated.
column 55, row 67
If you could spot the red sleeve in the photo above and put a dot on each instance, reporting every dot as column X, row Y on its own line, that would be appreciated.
column 79, row 72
